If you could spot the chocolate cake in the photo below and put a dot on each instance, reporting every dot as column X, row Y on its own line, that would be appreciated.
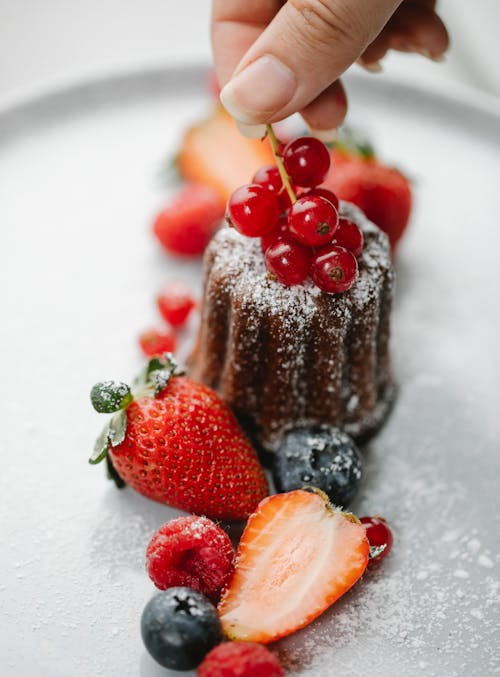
column 289, row 356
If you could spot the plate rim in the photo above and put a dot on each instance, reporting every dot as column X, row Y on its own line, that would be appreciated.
column 23, row 100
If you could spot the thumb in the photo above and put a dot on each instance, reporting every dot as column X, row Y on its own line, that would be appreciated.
column 306, row 47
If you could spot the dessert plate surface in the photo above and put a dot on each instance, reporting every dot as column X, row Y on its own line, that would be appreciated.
column 80, row 179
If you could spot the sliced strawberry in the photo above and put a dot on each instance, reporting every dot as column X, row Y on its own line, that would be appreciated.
column 189, row 220
column 296, row 557
column 214, row 153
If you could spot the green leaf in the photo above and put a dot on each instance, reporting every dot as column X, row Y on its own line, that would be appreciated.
column 354, row 142
column 117, row 428
column 101, row 446
column 110, row 396
column 157, row 374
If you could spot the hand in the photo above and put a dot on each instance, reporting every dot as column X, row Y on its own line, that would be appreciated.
column 275, row 58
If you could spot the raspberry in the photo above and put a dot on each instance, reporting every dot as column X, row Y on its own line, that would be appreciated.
column 157, row 341
column 240, row 659
column 193, row 552
column 175, row 303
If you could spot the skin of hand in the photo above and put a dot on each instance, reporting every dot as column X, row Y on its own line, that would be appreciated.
column 275, row 58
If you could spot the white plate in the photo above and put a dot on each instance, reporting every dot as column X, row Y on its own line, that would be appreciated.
column 79, row 183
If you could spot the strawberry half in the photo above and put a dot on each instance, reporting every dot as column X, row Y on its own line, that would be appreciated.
column 214, row 153
column 175, row 441
column 297, row 555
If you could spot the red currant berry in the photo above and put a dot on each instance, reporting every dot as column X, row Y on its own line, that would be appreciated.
column 334, row 269
column 270, row 178
column 281, row 230
column 349, row 235
column 252, row 210
column 155, row 342
column 323, row 192
column 378, row 534
column 313, row 221
column 288, row 261
column 307, row 161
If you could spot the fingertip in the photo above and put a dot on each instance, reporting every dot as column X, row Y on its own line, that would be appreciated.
column 325, row 135
column 326, row 113
column 251, row 131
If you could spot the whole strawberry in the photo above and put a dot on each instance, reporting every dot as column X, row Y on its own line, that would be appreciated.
column 176, row 442
column 382, row 192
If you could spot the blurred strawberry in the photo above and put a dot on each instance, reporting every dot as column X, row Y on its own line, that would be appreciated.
column 213, row 152
column 383, row 193
column 187, row 223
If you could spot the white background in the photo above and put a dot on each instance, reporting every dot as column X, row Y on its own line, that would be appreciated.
column 72, row 548
column 47, row 41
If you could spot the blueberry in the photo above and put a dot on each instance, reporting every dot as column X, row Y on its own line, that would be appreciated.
column 179, row 627
column 319, row 456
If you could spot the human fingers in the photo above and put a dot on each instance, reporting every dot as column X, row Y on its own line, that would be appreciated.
column 415, row 27
column 305, row 48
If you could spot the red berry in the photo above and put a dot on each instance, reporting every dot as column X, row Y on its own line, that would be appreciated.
column 193, row 552
column 157, row 341
column 313, row 220
column 334, row 269
column 349, row 236
column 288, row 261
column 175, row 303
column 323, row 192
column 378, row 534
column 270, row 178
column 189, row 220
column 307, row 161
column 281, row 230
column 252, row 210
column 240, row 659
column 383, row 193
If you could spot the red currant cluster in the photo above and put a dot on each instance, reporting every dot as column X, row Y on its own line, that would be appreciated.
column 301, row 232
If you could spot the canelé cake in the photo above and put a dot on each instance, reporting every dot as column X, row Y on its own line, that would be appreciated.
column 291, row 356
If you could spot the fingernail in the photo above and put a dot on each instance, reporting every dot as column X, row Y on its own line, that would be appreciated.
column 438, row 58
column 372, row 67
column 325, row 135
column 251, row 131
column 423, row 52
column 259, row 90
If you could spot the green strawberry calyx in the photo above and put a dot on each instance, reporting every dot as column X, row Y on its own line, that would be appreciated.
column 353, row 142
column 112, row 397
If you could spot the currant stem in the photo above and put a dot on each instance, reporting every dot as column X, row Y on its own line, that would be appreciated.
column 279, row 162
